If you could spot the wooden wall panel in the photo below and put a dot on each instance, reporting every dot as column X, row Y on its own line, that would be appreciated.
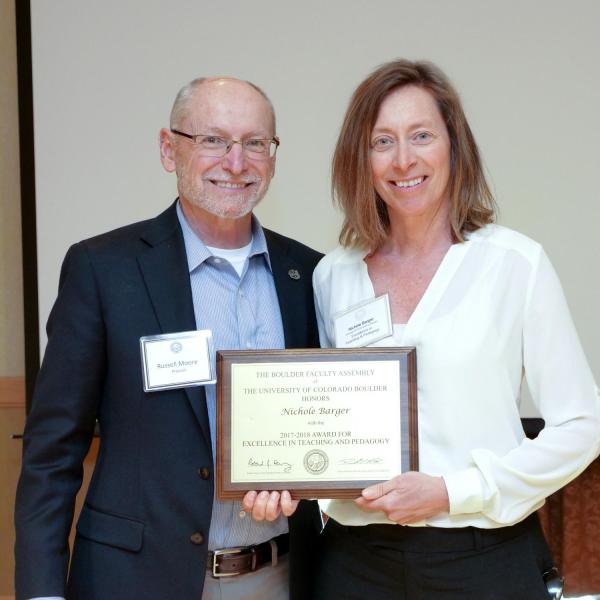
column 12, row 419
column 12, row 393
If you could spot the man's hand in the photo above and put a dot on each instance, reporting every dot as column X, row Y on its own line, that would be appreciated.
column 269, row 505
column 407, row 498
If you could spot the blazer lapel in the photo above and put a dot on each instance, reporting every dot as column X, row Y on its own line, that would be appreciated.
column 165, row 270
column 290, row 283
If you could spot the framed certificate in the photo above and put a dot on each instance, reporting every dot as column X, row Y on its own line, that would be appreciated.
column 320, row 423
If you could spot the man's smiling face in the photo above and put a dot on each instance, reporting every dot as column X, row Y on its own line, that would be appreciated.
column 229, row 186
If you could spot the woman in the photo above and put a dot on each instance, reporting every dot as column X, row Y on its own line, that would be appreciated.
column 482, row 305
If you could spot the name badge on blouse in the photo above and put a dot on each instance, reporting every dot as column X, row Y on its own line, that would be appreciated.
column 363, row 323
column 177, row 360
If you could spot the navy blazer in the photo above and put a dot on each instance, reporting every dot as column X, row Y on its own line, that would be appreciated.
column 143, row 530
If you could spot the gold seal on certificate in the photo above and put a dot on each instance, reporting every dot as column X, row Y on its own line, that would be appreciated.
column 320, row 423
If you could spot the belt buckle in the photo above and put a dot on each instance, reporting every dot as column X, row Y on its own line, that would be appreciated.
column 226, row 551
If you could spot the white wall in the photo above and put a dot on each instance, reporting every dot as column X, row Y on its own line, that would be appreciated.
column 105, row 74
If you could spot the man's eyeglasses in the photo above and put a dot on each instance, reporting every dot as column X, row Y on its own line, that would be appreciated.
column 216, row 146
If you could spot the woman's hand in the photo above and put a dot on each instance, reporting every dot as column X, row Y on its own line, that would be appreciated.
column 269, row 505
column 407, row 498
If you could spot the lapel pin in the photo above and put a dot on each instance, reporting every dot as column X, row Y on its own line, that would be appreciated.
column 294, row 274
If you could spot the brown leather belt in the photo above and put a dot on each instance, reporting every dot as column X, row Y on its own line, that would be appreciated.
column 237, row 561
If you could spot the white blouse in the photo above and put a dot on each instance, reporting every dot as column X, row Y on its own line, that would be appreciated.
column 493, row 312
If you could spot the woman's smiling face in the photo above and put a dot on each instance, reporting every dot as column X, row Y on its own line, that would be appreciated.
column 410, row 153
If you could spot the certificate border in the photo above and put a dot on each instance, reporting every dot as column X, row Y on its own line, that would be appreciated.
column 407, row 360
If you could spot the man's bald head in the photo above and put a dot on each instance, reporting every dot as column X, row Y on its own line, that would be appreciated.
column 181, row 106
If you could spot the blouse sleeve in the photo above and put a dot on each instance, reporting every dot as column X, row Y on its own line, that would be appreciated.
column 507, row 488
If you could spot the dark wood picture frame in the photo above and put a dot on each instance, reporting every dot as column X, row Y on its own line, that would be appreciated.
column 407, row 363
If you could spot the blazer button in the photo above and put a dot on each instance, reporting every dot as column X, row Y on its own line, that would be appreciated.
column 197, row 538
column 204, row 472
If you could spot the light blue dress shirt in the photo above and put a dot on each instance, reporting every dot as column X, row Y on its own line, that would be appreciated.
column 242, row 313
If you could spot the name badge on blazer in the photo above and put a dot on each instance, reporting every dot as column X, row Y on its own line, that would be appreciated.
column 363, row 323
column 177, row 360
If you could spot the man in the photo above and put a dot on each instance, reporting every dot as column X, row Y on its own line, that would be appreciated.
column 149, row 527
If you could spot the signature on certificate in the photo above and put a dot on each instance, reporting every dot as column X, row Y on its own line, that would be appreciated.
column 360, row 461
column 270, row 464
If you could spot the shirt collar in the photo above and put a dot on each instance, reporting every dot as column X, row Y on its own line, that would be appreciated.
column 196, row 249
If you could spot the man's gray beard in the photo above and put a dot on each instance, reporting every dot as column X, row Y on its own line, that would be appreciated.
column 215, row 206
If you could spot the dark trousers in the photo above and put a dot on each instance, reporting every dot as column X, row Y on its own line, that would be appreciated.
column 389, row 562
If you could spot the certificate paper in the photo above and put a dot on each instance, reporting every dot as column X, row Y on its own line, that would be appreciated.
column 322, row 423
